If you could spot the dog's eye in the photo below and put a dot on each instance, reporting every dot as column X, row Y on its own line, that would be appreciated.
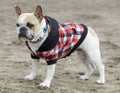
column 29, row 25
column 17, row 25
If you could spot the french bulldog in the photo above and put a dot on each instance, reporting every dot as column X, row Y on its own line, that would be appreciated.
column 47, row 39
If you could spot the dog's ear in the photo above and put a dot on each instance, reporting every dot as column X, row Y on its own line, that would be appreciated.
column 38, row 12
column 17, row 10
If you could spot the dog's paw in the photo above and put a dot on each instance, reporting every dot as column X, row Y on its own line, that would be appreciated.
column 30, row 77
column 83, row 77
column 45, row 84
column 100, row 81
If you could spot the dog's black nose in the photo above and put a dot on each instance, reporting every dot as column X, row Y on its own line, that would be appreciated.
column 23, row 30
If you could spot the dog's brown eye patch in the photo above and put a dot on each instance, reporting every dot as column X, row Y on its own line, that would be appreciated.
column 17, row 25
column 29, row 25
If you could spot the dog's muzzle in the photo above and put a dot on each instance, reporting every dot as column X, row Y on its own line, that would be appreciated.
column 23, row 33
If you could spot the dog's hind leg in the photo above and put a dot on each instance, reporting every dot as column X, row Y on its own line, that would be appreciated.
column 95, row 57
column 94, row 61
column 91, row 47
column 90, row 69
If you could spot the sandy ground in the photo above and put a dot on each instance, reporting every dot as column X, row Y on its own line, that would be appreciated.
column 15, row 62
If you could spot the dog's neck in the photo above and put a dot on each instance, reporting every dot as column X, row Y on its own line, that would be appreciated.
column 41, row 31
column 37, row 42
column 50, row 38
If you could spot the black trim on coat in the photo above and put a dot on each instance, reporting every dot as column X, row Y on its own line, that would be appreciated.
column 53, row 36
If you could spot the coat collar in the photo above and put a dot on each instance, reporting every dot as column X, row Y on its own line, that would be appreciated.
column 53, row 35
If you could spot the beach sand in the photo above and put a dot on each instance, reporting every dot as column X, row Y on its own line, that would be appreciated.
column 15, row 61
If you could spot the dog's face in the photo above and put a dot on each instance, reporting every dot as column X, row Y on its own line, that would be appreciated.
column 28, row 24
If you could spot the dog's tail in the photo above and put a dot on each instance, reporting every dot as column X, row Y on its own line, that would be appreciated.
column 93, row 33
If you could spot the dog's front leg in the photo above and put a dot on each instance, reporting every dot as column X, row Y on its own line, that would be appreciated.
column 33, row 73
column 49, row 76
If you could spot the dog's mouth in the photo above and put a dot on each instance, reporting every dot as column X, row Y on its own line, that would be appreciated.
column 28, row 37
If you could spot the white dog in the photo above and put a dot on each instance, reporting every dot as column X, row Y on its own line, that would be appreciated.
column 47, row 39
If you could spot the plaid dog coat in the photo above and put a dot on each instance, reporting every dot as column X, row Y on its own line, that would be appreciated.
column 65, row 38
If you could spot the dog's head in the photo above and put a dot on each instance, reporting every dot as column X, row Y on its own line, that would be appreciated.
column 28, row 24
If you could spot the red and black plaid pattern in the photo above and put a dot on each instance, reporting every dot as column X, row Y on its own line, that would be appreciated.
column 69, row 35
